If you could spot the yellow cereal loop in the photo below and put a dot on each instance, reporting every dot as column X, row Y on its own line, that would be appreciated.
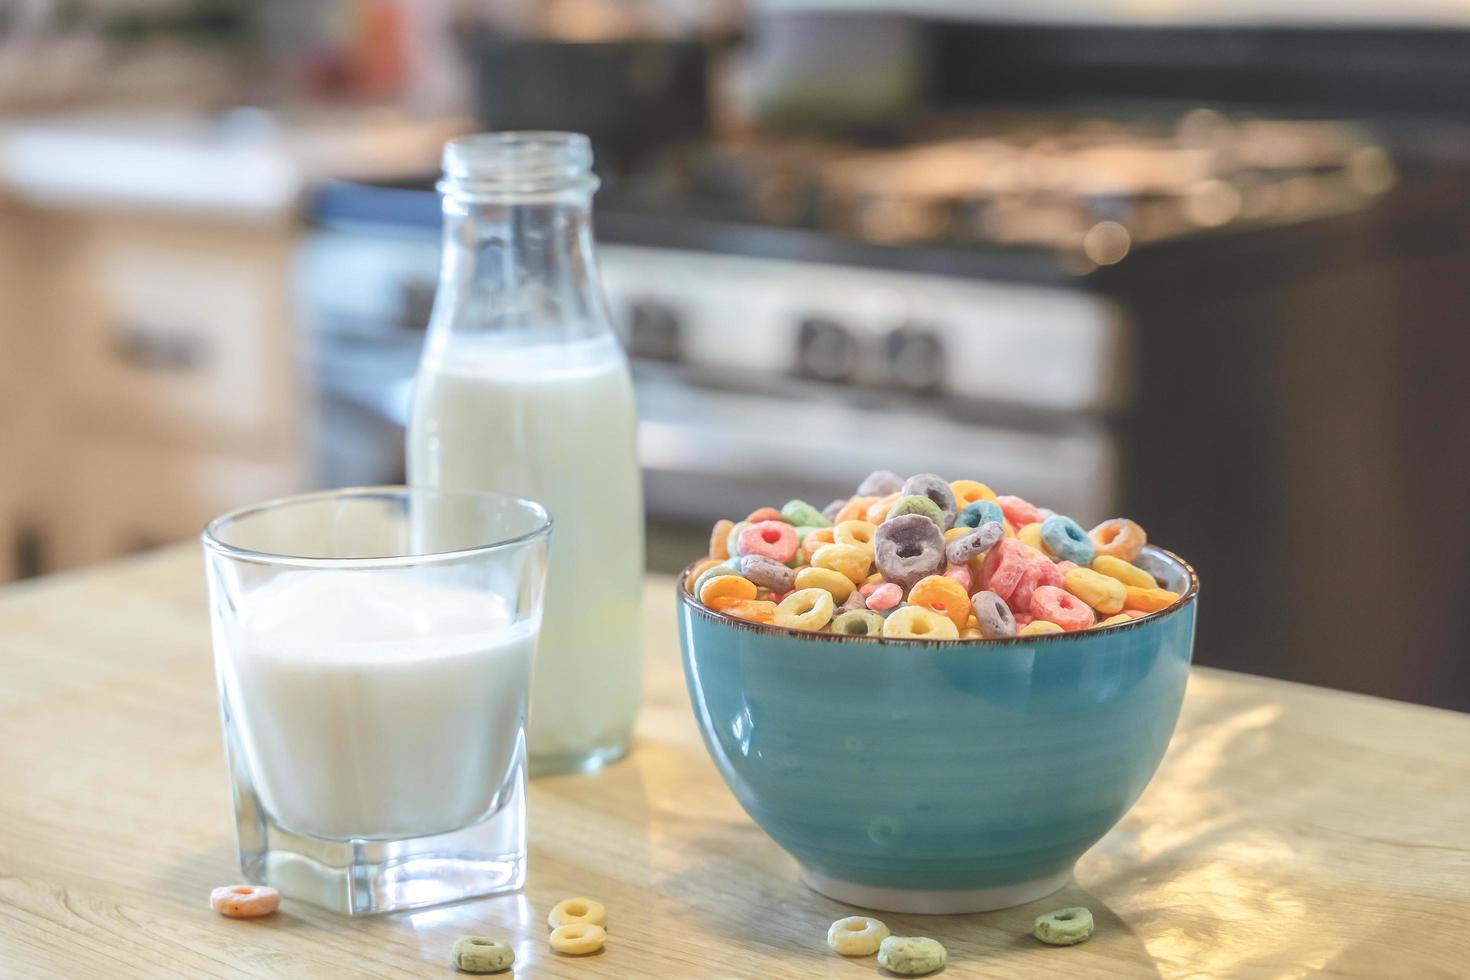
column 968, row 491
column 1030, row 536
column 1037, row 627
column 958, row 531
column 854, row 532
column 943, row 595
column 812, row 577
column 1097, row 590
column 851, row 560
column 1125, row 572
column 807, row 609
column 579, row 909
column 578, row 938
column 1114, row 620
column 1148, row 600
column 918, row 623
column 726, row 587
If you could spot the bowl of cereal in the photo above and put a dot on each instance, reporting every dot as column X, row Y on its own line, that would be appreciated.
column 934, row 698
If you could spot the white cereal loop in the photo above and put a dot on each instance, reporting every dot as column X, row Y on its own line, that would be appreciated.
column 856, row 935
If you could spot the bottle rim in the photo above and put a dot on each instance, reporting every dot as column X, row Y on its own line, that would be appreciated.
column 517, row 162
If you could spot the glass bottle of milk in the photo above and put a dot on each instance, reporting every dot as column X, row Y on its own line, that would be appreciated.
column 523, row 389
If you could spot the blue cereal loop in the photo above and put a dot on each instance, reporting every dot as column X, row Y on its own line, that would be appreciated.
column 980, row 512
column 1065, row 540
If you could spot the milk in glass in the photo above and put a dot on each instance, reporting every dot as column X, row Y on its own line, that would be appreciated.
column 377, row 707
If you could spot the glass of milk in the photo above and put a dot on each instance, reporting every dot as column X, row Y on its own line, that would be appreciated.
column 373, row 652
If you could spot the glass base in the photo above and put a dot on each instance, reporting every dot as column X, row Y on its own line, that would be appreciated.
column 366, row 877
column 589, row 761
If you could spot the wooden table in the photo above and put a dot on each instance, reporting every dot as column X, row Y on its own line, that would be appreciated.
column 1291, row 831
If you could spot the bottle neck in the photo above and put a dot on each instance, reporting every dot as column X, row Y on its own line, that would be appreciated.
column 521, row 266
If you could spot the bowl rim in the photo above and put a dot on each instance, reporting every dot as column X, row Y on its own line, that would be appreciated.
column 1189, row 595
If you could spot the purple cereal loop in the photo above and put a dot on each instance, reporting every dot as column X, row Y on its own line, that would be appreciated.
column 831, row 510
column 768, row 572
column 907, row 548
column 978, row 541
column 880, row 483
column 994, row 616
column 936, row 489
column 853, row 601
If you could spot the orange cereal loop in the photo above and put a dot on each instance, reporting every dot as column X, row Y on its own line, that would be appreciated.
column 966, row 492
column 725, row 587
column 1119, row 537
column 244, row 901
column 1148, row 600
column 719, row 540
column 764, row 514
column 752, row 610
column 821, row 536
column 942, row 595
column 699, row 569
column 855, row 509
column 878, row 511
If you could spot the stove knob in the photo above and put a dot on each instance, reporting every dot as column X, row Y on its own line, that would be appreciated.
column 654, row 331
column 825, row 350
column 915, row 357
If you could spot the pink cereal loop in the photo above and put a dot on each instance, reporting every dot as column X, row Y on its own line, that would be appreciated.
column 244, row 901
column 775, row 540
column 1019, row 512
column 1061, row 607
column 885, row 596
column 960, row 573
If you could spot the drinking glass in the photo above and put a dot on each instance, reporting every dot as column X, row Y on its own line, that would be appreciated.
column 373, row 652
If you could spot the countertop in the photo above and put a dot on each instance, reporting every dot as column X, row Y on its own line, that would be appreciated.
column 1291, row 831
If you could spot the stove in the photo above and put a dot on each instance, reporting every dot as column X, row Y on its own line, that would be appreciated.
column 1080, row 308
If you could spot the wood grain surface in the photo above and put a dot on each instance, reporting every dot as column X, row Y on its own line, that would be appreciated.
column 1291, row 832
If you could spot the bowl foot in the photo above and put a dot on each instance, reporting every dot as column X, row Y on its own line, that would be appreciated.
column 942, row 902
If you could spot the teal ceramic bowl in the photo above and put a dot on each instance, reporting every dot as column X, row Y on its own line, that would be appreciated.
column 939, row 777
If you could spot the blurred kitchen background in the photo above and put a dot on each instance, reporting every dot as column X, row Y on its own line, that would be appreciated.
column 1201, row 262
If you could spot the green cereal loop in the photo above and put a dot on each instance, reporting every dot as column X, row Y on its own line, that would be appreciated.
column 858, row 622
column 1064, row 927
column 481, row 954
column 803, row 514
column 916, row 504
column 911, row 956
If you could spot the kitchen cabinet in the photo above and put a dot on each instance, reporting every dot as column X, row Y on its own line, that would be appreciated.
column 179, row 332
column 154, row 383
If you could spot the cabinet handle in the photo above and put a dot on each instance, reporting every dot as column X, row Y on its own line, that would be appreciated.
column 155, row 349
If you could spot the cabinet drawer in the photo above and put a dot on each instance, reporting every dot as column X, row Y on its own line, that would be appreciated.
column 120, row 498
column 182, row 332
